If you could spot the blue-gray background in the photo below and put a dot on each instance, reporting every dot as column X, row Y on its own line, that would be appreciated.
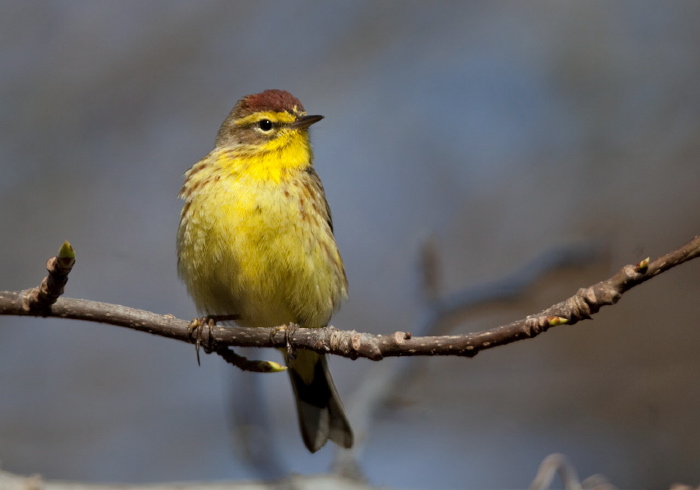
column 498, row 129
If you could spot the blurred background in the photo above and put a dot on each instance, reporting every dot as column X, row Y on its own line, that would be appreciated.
column 494, row 131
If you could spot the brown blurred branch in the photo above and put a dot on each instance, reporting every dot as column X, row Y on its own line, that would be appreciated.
column 585, row 303
column 558, row 464
column 11, row 481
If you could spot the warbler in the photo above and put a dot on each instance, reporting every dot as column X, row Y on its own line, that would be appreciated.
column 256, row 240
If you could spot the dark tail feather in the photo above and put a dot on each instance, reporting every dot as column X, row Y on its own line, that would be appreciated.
column 321, row 415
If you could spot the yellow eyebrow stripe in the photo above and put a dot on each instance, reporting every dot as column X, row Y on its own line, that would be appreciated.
column 283, row 117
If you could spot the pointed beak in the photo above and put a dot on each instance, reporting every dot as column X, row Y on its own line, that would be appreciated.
column 304, row 122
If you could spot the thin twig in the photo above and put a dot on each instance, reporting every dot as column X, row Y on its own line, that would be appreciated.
column 40, row 298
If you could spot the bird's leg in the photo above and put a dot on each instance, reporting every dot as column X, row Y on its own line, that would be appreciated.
column 288, row 332
column 196, row 331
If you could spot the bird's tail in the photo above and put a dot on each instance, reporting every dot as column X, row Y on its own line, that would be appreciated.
column 321, row 415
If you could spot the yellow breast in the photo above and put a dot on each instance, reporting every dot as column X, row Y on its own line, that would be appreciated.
column 255, row 240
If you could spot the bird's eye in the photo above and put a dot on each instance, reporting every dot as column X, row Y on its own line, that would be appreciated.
column 265, row 125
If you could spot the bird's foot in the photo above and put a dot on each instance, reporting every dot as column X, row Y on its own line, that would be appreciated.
column 288, row 330
column 196, row 332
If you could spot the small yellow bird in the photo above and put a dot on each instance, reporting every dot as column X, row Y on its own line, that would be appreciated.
column 256, row 240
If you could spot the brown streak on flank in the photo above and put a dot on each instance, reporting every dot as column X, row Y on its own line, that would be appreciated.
column 315, row 186
column 307, row 191
column 302, row 209
column 185, row 208
column 197, row 185
column 188, row 187
column 318, row 206
column 196, row 168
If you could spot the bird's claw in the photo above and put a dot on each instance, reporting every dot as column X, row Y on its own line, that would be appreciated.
column 196, row 331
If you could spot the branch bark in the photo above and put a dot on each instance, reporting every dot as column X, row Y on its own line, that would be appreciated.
column 352, row 344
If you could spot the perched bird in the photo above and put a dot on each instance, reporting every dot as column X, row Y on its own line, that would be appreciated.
column 256, row 241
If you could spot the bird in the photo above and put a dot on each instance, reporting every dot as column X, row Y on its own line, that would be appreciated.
column 256, row 241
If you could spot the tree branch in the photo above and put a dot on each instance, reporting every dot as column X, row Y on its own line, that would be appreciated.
column 581, row 306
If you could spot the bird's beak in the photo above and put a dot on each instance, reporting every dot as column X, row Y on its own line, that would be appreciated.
column 304, row 122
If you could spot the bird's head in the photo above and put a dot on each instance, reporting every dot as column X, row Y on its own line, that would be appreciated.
column 269, row 121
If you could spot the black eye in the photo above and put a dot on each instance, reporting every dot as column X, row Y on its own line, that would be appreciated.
column 265, row 125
